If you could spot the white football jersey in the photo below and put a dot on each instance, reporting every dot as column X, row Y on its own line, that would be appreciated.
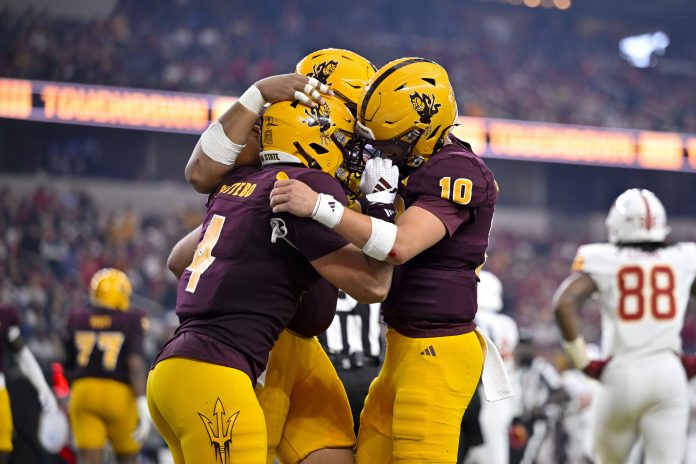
column 643, row 295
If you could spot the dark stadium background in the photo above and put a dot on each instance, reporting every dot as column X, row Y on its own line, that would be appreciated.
column 74, row 197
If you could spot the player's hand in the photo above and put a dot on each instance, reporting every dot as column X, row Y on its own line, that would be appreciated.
column 294, row 197
column 142, row 430
column 595, row 368
column 379, row 181
column 307, row 90
column 689, row 363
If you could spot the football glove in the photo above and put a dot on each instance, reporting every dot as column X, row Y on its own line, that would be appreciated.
column 379, row 181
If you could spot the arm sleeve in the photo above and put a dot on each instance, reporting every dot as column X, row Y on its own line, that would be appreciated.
column 312, row 239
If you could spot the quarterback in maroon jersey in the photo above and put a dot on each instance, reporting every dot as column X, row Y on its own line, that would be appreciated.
column 434, row 358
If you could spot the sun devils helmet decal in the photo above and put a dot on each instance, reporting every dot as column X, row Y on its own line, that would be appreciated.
column 323, row 71
column 425, row 106
column 319, row 116
column 220, row 433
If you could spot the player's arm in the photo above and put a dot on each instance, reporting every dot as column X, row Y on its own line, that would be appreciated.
column 348, row 268
column 415, row 230
column 30, row 368
column 230, row 141
column 182, row 254
column 575, row 290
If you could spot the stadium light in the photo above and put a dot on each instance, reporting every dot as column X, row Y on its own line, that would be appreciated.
column 640, row 50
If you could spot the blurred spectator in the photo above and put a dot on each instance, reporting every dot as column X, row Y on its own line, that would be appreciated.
column 507, row 62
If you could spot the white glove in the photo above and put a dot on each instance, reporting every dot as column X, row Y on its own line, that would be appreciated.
column 379, row 181
column 144, row 422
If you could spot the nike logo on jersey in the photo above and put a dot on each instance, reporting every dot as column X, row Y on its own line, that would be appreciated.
column 429, row 351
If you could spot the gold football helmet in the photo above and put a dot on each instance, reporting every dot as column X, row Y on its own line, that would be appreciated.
column 110, row 288
column 315, row 137
column 344, row 71
column 407, row 110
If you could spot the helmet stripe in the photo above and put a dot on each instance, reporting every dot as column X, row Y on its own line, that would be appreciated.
column 648, row 215
column 383, row 76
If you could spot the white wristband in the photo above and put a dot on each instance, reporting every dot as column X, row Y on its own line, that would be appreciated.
column 141, row 406
column 577, row 352
column 381, row 239
column 252, row 100
column 218, row 147
column 327, row 210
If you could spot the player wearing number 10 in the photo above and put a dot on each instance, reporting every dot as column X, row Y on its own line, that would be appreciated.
column 644, row 286
column 104, row 359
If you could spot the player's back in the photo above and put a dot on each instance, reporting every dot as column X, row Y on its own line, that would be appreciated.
column 249, row 271
column 100, row 341
column 434, row 294
column 643, row 294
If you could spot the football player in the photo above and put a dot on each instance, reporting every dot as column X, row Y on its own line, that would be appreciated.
column 434, row 359
column 105, row 363
column 644, row 284
column 248, row 274
column 495, row 417
column 10, row 337
column 300, row 429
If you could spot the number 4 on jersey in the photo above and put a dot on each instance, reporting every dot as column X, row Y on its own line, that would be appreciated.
column 203, row 257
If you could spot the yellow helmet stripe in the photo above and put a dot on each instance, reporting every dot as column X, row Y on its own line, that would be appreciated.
column 383, row 76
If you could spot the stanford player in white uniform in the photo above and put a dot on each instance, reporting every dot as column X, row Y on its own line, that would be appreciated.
column 643, row 285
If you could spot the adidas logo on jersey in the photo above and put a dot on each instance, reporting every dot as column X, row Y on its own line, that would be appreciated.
column 429, row 351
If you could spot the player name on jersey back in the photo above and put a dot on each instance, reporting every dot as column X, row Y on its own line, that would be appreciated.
column 643, row 294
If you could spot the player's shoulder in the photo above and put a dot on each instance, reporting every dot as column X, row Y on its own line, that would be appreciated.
column 591, row 255
column 320, row 182
column 455, row 169
column 686, row 248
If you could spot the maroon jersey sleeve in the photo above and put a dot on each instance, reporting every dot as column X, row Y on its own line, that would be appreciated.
column 450, row 185
column 312, row 239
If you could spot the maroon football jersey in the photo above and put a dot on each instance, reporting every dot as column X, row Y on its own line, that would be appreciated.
column 316, row 310
column 434, row 294
column 242, row 290
column 10, row 317
column 100, row 340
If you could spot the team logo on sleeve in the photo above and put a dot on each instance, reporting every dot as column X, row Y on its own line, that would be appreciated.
column 425, row 106
column 323, row 71
column 220, row 431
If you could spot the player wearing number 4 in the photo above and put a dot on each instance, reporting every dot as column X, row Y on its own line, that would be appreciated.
column 434, row 358
column 644, row 285
column 104, row 360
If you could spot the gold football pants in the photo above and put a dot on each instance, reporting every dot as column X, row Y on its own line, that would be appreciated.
column 102, row 409
column 207, row 413
column 5, row 422
column 304, row 402
column 414, row 408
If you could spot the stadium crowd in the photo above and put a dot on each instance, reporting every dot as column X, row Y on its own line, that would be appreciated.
column 516, row 65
